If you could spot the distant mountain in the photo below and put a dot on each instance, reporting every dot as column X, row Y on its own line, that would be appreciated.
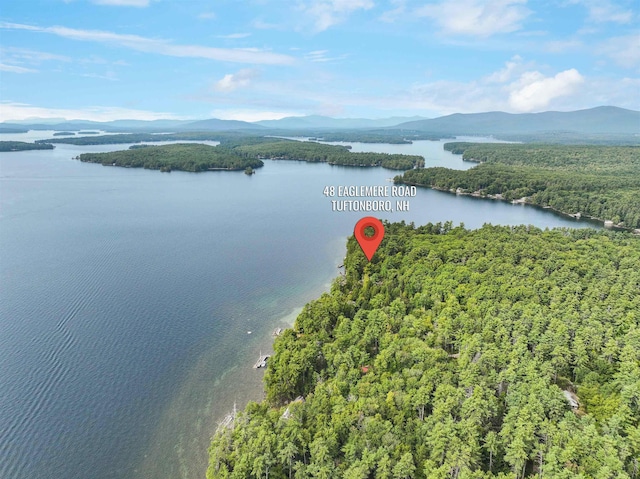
column 603, row 119
column 77, row 125
column 316, row 121
column 132, row 125
column 145, row 124
column 214, row 124
column 36, row 120
column 44, row 124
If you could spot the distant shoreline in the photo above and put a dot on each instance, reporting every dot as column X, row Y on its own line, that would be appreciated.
column 523, row 201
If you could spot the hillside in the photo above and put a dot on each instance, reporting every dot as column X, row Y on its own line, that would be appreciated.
column 316, row 121
column 602, row 124
column 495, row 353
column 600, row 120
column 597, row 181
column 214, row 124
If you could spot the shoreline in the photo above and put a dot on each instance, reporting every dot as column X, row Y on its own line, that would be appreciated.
column 234, row 388
column 523, row 201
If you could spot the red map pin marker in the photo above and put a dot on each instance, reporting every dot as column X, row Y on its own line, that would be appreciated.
column 369, row 244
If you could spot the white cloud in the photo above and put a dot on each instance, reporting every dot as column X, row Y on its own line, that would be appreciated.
column 161, row 47
column 123, row 3
column 233, row 81
column 251, row 115
column 32, row 56
column 476, row 17
column 624, row 50
column 235, row 35
column 18, row 60
column 262, row 25
column 505, row 74
column 602, row 11
column 320, row 56
column 326, row 13
column 447, row 97
column 396, row 13
column 533, row 91
column 561, row 46
column 623, row 92
column 20, row 111
column 109, row 75
column 207, row 16
column 517, row 87
column 15, row 69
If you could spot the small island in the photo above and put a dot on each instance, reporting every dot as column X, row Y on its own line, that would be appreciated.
column 192, row 157
column 64, row 133
column 23, row 146
column 88, row 132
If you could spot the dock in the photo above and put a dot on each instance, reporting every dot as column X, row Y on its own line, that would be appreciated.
column 262, row 361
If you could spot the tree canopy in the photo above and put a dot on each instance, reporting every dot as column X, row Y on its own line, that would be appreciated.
column 598, row 181
column 332, row 154
column 504, row 352
column 180, row 156
column 23, row 145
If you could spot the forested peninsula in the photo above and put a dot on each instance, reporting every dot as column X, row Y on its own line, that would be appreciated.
column 601, row 182
column 332, row 154
column 23, row 146
column 504, row 352
column 261, row 147
column 181, row 156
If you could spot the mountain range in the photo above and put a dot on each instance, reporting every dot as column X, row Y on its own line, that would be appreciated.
column 316, row 121
column 599, row 120
column 604, row 119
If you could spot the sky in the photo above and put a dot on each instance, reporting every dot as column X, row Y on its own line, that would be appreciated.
column 267, row 59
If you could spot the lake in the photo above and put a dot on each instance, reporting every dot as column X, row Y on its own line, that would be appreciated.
column 134, row 303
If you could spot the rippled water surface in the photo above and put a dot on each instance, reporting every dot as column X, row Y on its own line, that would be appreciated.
column 127, row 297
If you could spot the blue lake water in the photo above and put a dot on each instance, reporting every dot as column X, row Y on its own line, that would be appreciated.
column 127, row 297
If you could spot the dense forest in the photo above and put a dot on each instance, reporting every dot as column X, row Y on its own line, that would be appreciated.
column 572, row 138
column 181, row 156
column 618, row 160
column 250, row 147
column 23, row 145
column 332, row 154
column 598, row 181
column 504, row 352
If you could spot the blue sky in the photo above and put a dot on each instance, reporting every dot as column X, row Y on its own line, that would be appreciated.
column 263, row 59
